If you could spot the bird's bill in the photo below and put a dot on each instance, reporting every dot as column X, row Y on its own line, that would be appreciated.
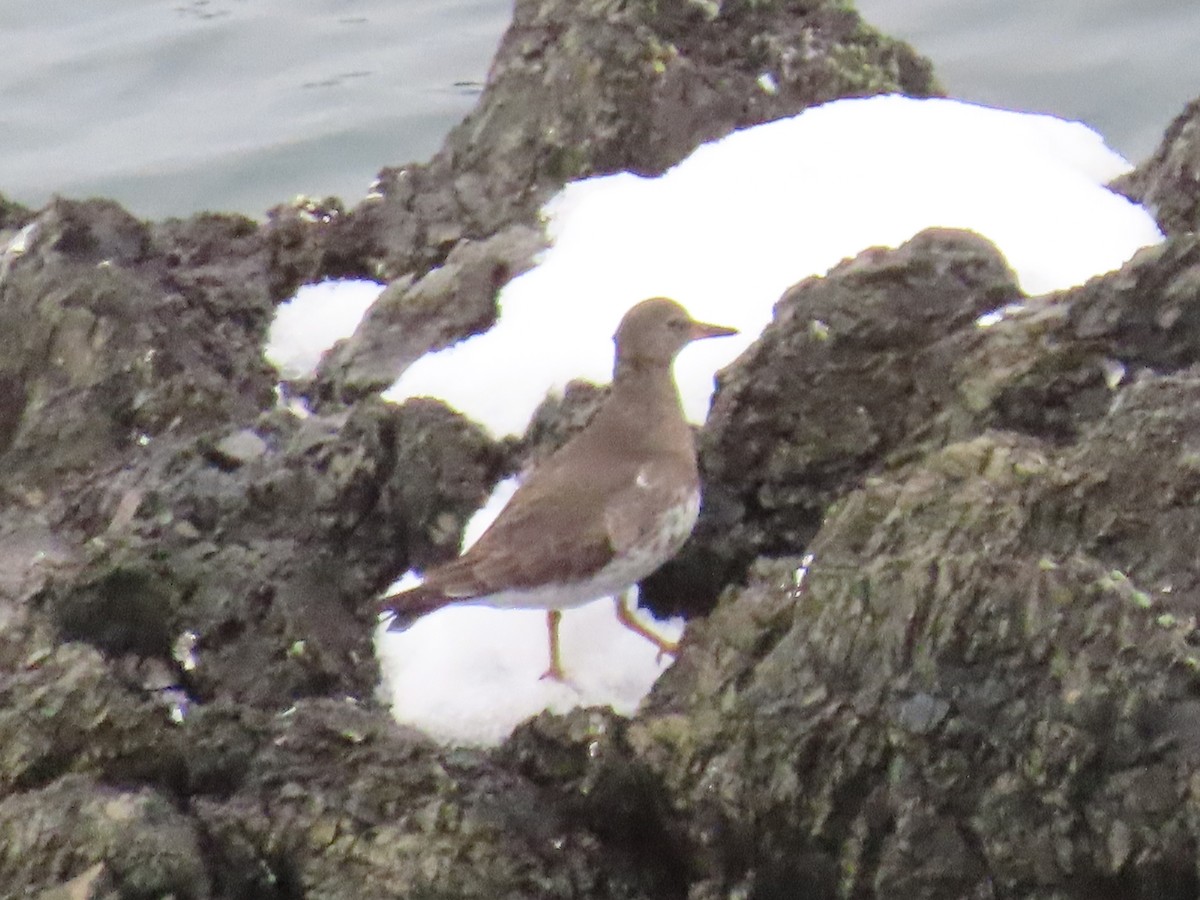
column 702, row 330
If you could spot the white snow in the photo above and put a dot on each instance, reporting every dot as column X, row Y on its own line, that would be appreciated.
column 725, row 232
column 730, row 228
column 314, row 320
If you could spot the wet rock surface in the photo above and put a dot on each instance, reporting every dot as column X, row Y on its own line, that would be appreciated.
column 980, row 682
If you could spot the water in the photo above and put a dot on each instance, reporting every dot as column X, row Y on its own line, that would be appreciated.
column 172, row 106
column 1125, row 68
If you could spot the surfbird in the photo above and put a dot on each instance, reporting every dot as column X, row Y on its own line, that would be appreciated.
column 604, row 511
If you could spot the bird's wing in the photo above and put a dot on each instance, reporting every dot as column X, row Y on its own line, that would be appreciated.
column 552, row 534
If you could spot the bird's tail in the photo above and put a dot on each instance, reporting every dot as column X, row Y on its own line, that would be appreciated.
column 407, row 606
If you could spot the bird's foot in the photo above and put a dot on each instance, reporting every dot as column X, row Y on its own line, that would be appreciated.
column 627, row 618
column 665, row 647
column 554, row 673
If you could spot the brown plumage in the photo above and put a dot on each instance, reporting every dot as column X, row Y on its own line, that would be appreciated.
column 605, row 510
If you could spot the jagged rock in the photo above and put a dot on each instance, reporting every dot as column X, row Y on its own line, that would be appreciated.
column 64, row 711
column 239, row 449
column 334, row 801
column 558, row 418
column 882, row 359
column 266, row 569
column 1168, row 183
column 584, row 761
column 412, row 318
column 13, row 217
column 1050, row 368
column 114, row 332
column 582, row 89
column 838, row 381
column 984, row 682
column 117, row 843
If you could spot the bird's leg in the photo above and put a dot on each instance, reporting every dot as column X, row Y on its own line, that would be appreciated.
column 626, row 617
column 555, row 672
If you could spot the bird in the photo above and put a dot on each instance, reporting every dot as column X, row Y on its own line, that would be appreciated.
column 602, row 512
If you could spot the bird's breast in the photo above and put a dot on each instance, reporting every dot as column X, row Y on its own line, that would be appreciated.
column 666, row 532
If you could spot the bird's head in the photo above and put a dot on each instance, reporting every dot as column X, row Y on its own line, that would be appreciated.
column 656, row 330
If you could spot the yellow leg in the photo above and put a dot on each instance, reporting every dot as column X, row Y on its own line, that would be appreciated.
column 626, row 617
column 553, row 617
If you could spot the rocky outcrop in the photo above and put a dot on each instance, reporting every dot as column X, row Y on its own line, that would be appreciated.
column 852, row 364
column 115, row 332
column 413, row 317
column 185, row 566
column 1168, row 183
column 334, row 801
column 953, row 653
column 582, row 89
column 576, row 90
column 979, row 679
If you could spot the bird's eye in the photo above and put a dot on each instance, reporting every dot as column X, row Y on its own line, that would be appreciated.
column 677, row 324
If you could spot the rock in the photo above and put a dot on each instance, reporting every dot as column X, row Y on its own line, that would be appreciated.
column 776, row 452
column 1052, row 368
column 954, row 655
column 411, row 318
column 81, row 887
column 118, row 843
column 267, row 569
column 836, row 384
column 13, row 217
column 584, row 761
column 354, row 806
column 1168, row 183
column 239, row 449
column 114, row 332
column 1058, row 692
column 582, row 89
column 65, row 711
column 994, row 622
column 557, row 419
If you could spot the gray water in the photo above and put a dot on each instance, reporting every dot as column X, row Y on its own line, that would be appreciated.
column 172, row 106
column 1126, row 67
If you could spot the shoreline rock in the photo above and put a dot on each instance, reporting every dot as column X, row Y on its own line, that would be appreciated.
column 983, row 684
